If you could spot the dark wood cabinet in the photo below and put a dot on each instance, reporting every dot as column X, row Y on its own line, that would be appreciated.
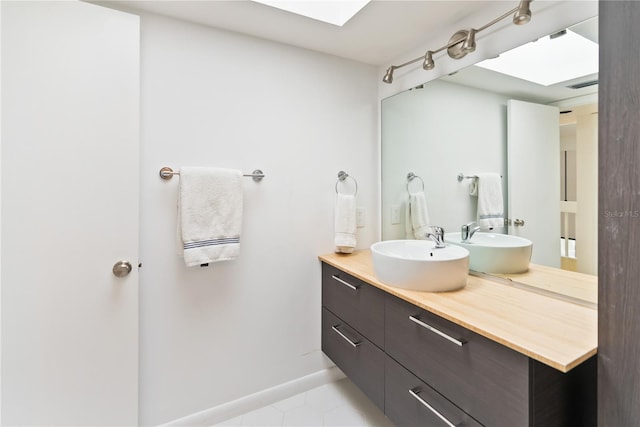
column 422, row 369
column 353, row 330
column 484, row 378
column 411, row 402
column 358, row 358
column 618, row 211
column 354, row 301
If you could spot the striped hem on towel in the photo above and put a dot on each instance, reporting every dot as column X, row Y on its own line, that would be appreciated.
column 214, row 242
column 491, row 216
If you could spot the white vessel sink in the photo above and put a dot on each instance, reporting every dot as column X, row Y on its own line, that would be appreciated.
column 494, row 252
column 418, row 265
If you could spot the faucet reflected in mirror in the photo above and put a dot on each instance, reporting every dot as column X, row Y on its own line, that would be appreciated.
column 468, row 230
column 423, row 124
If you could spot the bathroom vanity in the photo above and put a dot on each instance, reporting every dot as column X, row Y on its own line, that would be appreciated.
column 489, row 354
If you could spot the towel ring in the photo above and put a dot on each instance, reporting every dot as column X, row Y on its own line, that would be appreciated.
column 410, row 177
column 342, row 175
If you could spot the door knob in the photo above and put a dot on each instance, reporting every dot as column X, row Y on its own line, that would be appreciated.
column 121, row 268
column 518, row 222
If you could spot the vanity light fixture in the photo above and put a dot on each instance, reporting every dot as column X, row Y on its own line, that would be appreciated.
column 464, row 41
column 428, row 61
column 523, row 14
column 469, row 43
column 388, row 77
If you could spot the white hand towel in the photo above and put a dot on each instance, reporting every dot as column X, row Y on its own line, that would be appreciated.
column 209, row 214
column 418, row 215
column 345, row 223
column 408, row 226
column 490, row 204
column 473, row 188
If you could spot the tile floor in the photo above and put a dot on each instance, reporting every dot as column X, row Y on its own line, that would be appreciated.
column 339, row 404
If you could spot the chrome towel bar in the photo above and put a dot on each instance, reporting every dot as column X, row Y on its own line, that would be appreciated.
column 167, row 173
column 462, row 176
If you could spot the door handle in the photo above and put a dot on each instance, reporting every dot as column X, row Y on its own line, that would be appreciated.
column 518, row 222
column 121, row 268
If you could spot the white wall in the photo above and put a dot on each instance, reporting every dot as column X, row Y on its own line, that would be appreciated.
column 214, row 98
column 0, row 224
column 438, row 132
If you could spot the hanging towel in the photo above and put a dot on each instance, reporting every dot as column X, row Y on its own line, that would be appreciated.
column 490, row 204
column 417, row 216
column 345, row 223
column 473, row 188
column 408, row 226
column 209, row 214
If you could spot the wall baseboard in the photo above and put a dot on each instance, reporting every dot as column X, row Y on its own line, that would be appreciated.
column 258, row 400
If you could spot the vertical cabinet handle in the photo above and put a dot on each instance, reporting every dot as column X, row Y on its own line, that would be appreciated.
column 436, row 331
column 431, row 408
column 337, row 331
column 339, row 280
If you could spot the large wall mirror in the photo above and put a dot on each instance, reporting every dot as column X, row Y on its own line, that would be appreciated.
column 463, row 124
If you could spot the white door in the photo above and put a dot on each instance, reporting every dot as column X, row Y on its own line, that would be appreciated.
column 533, row 149
column 70, row 120
column 587, row 192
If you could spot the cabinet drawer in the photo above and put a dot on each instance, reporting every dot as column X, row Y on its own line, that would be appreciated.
column 483, row 378
column 358, row 358
column 410, row 402
column 354, row 301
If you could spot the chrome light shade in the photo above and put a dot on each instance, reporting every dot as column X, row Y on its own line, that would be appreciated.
column 469, row 43
column 388, row 76
column 523, row 14
column 428, row 63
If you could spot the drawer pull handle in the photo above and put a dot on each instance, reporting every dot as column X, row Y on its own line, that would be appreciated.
column 436, row 331
column 336, row 278
column 431, row 408
column 346, row 338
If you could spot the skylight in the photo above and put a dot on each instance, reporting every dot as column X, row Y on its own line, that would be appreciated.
column 336, row 12
column 548, row 61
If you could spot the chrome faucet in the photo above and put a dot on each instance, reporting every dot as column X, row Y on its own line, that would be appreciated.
column 437, row 236
column 467, row 231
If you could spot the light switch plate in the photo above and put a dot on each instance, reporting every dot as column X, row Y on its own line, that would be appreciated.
column 395, row 214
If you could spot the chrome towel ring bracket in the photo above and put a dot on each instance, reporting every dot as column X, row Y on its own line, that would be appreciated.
column 410, row 177
column 342, row 176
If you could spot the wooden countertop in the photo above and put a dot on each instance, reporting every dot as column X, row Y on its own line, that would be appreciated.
column 570, row 284
column 553, row 331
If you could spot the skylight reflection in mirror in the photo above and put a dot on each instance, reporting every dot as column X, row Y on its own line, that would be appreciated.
column 549, row 60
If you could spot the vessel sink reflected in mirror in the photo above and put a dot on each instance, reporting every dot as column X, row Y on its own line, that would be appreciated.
column 418, row 265
column 494, row 252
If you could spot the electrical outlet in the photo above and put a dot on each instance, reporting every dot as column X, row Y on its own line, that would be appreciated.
column 395, row 214
column 360, row 217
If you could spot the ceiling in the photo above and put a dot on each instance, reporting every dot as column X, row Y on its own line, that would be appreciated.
column 379, row 32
